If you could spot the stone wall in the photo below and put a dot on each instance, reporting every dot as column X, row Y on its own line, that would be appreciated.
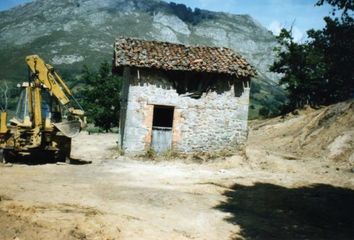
column 213, row 122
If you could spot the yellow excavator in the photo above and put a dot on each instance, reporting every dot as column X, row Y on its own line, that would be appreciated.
column 45, row 120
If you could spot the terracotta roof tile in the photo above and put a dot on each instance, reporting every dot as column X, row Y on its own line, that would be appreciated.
column 178, row 57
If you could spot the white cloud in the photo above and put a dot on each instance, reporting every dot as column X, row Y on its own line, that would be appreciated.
column 275, row 27
column 298, row 34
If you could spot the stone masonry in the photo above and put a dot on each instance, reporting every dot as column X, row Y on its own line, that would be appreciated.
column 213, row 122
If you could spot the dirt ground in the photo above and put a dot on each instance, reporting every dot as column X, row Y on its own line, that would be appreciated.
column 261, row 194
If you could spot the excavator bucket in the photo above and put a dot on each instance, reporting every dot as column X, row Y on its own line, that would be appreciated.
column 69, row 128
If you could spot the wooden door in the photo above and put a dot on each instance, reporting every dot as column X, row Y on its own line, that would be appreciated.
column 161, row 139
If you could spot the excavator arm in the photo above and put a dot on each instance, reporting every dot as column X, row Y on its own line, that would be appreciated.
column 45, row 74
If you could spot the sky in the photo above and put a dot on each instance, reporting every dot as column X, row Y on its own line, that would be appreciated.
column 7, row 4
column 273, row 14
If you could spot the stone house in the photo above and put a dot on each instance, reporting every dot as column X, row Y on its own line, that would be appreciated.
column 184, row 98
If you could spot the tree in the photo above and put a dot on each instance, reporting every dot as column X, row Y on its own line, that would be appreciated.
column 4, row 96
column 344, row 5
column 100, row 96
column 320, row 70
column 336, row 43
column 301, row 67
column 188, row 15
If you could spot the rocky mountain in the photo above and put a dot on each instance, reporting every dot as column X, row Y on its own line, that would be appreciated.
column 71, row 33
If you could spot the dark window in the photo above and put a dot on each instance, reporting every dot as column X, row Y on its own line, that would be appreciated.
column 163, row 116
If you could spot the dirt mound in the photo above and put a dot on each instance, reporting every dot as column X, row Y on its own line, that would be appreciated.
column 326, row 133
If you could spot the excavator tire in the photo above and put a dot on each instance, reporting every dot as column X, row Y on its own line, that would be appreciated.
column 64, row 146
column 2, row 160
column 9, row 156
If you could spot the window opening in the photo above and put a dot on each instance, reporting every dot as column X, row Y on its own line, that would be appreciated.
column 163, row 116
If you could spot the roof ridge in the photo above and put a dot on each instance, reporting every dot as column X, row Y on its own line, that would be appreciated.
column 176, row 56
column 172, row 43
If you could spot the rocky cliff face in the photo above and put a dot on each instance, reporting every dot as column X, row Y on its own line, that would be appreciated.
column 71, row 33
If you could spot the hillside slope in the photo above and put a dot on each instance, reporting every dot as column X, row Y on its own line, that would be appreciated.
column 326, row 134
column 72, row 33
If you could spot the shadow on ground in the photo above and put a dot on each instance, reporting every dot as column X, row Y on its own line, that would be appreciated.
column 267, row 211
column 39, row 158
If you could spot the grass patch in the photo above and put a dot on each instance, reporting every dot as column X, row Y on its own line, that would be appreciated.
column 196, row 157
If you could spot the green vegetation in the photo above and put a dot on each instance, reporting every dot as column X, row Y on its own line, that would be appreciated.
column 100, row 96
column 150, row 154
column 264, row 112
column 188, row 15
column 319, row 71
column 341, row 5
column 255, row 87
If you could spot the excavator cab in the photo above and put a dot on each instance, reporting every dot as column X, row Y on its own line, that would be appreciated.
column 23, row 111
column 52, row 113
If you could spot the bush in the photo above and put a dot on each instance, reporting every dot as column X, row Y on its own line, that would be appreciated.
column 264, row 112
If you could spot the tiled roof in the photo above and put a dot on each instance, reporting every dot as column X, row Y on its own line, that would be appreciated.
column 178, row 57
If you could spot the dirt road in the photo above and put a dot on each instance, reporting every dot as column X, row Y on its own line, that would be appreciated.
column 262, row 196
